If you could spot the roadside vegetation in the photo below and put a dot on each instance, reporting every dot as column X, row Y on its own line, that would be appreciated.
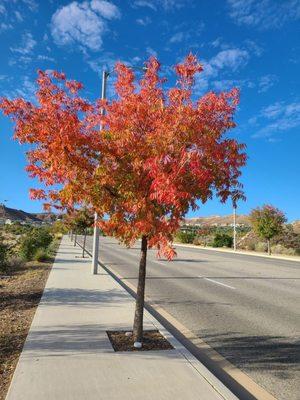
column 26, row 257
column 23, row 243
column 268, row 232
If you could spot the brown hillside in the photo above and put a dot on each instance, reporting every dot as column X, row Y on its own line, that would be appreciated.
column 217, row 220
column 17, row 215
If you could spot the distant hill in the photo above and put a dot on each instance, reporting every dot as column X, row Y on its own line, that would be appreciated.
column 17, row 215
column 217, row 220
column 45, row 217
column 296, row 226
column 25, row 217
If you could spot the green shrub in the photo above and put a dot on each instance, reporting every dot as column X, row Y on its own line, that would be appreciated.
column 59, row 227
column 53, row 247
column 280, row 249
column 185, row 236
column 34, row 240
column 17, row 229
column 222, row 240
column 42, row 255
column 3, row 255
column 15, row 262
column 202, row 241
column 261, row 247
column 250, row 246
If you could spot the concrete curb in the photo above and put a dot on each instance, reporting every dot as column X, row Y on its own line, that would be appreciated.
column 244, row 387
column 67, row 354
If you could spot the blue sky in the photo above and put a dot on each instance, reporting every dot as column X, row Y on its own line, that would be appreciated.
column 254, row 45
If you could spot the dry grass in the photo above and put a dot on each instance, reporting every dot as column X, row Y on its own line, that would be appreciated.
column 20, row 292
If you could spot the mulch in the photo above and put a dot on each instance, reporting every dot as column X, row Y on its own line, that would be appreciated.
column 20, row 291
column 152, row 340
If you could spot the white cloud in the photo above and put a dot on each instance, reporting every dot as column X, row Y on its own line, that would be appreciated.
column 228, row 60
column 266, row 82
column 5, row 27
column 83, row 23
column 144, row 21
column 31, row 4
column 263, row 14
column 177, row 37
column 42, row 57
column 231, row 58
column 27, row 45
column 226, row 84
column 2, row 9
column 26, row 88
column 106, row 9
column 279, row 117
column 151, row 52
column 12, row 11
column 254, row 47
column 106, row 61
column 19, row 16
column 135, row 60
column 217, row 42
column 167, row 5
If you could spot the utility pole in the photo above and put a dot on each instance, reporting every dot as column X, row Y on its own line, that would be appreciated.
column 234, row 223
column 234, row 227
column 105, row 75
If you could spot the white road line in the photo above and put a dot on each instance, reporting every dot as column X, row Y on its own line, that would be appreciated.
column 218, row 283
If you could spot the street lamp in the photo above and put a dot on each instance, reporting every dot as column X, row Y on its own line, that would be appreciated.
column 234, row 205
column 105, row 75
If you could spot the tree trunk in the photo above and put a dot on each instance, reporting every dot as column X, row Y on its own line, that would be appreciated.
column 75, row 239
column 83, row 247
column 269, row 247
column 71, row 236
column 140, row 296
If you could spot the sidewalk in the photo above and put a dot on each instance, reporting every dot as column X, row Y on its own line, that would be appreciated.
column 68, row 356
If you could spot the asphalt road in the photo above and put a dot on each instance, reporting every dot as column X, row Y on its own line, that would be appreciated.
column 247, row 308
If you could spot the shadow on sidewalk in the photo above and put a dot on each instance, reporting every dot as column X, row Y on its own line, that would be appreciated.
column 66, row 340
column 83, row 297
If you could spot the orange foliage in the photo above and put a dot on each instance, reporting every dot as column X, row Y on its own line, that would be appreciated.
column 157, row 154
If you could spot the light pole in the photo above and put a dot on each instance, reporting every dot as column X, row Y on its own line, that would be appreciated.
column 234, row 205
column 105, row 75
column 234, row 226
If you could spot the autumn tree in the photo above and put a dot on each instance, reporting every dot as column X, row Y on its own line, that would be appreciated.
column 82, row 219
column 160, row 152
column 267, row 221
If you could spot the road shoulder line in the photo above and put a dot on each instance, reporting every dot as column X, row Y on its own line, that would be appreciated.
column 217, row 370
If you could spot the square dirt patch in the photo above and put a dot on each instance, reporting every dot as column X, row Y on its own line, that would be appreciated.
column 152, row 340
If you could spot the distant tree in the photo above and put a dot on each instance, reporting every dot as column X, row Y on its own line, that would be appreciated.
column 222, row 240
column 79, row 221
column 59, row 227
column 267, row 221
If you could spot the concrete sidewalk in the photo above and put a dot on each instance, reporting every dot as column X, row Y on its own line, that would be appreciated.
column 68, row 356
